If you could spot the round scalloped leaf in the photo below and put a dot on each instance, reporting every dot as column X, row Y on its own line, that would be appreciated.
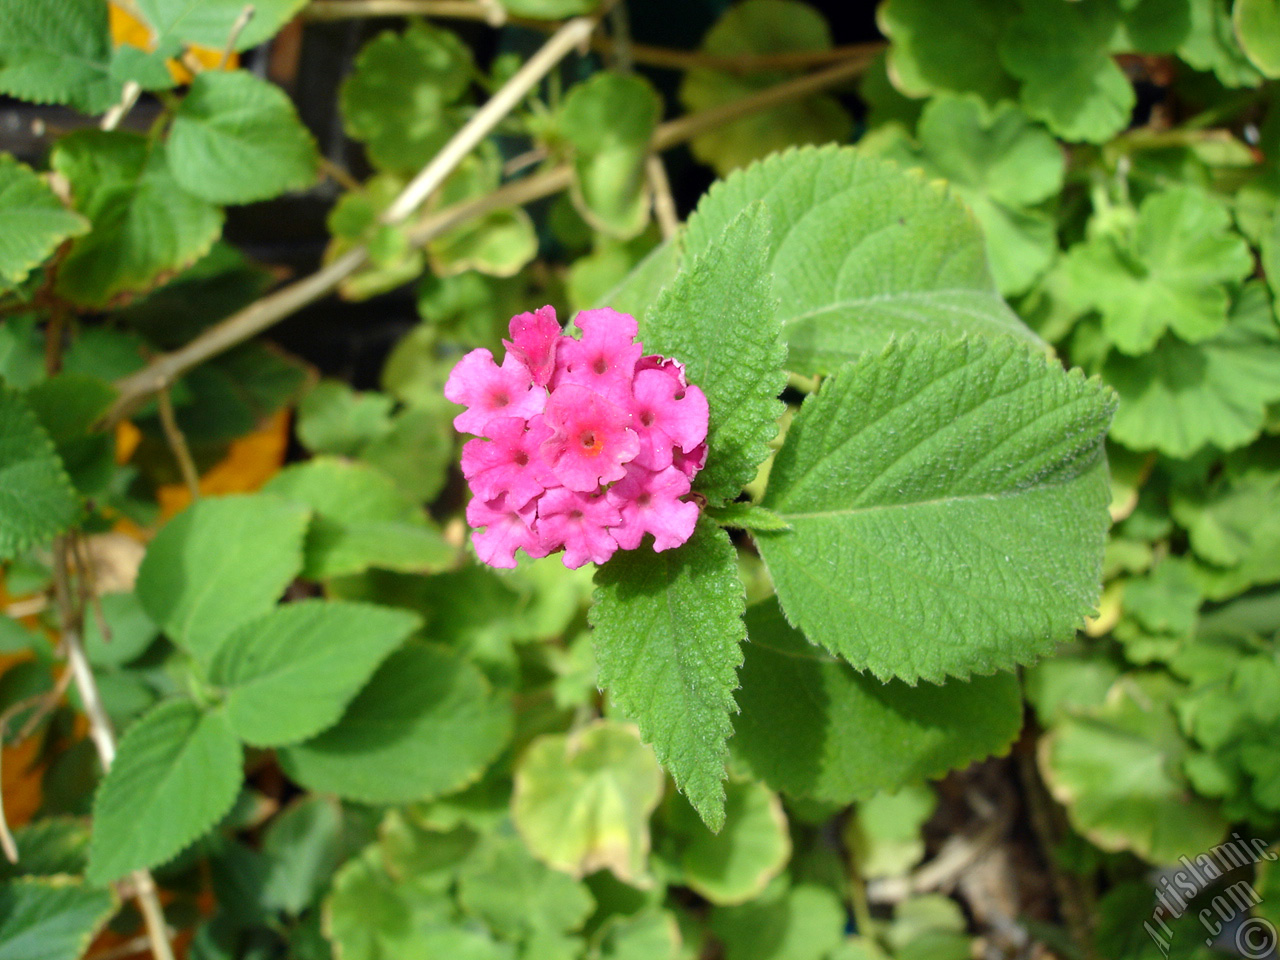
column 37, row 501
column 1257, row 24
column 427, row 724
column 968, row 476
column 1211, row 45
column 860, row 251
column 926, row 58
column 814, row 727
column 33, row 222
column 177, row 773
column 517, row 895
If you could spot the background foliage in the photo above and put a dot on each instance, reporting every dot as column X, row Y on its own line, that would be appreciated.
column 254, row 677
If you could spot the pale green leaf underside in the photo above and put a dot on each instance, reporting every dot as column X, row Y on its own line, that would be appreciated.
column 51, row 918
column 724, row 289
column 218, row 564
column 427, row 724
column 32, row 221
column 667, row 629
column 948, row 505
column 36, row 498
column 813, row 726
column 860, row 251
column 290, row 674
column 176, row 773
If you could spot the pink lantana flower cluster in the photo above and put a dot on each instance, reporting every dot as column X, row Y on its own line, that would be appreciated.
column 586, row 445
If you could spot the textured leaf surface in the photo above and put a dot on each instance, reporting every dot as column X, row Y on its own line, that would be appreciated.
column 813, row 726
column 177, row 772
column 517, row 895
column 860, row 251
column 761, row 27
column 1182, row 396
column 33, row 221
column 726, row 288
column 1171, row 273
column 51, row 918
column 209, row 22
column 667, row 630
column 36, row 498
column 236, row 139
column 291, row 673
column 57, row 51
column 948, row 505
column 219, row 564
column 582, row 801
column 425, row 725
column 145, row 227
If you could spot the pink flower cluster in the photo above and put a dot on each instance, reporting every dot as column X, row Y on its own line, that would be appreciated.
column 587, row 445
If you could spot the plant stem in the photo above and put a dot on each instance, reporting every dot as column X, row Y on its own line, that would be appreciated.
column 111, row 119
column 258, row 316
column 487, row 117
column 664, row 204
column 178, row 443
column 100, row 730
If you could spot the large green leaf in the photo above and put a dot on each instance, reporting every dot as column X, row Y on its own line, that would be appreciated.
column 1170, row 273
column 813, row 726
column 289, row 674
column 219, row 564
column 145, row 226
column 426, row 724
column 1257, row 24
column 177, row 772
column 517, row 895
column 761, row 27
column 69, row 406
column 968, row 477
column 727, row 287
column 860, row 251
column 37, row 501
column 209, row 22
column 582, row 800
column 1182, row 396
column 608, row 120
column 667, row 632
column 361, row 520
column 1212, row 45
column 57, row 51
column 236, row 139
column 33, row 221
column 51, row 918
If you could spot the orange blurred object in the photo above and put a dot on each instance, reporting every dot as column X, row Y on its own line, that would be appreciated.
column 130, row 30
column 251, row 462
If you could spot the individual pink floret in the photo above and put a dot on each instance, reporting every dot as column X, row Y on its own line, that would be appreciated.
column 604, row 360
column 506, row 531
column 591, row 440
column 489, row 391
column 508, row 462
column 649, row 502
column 534, row 337
column 690, row 463
column 666, row 415
column 579, row 522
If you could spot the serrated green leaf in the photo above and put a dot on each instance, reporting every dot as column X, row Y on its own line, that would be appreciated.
column 51, row 918
column 361, row 520
column 33, row 221
column 860, row 252
column 209, row 23
column 726, row 287
column 582, row 800
column 1061, row 54
column 1170, row 273
column 608, row 121
column 1182, row 396
column 219, row 564
column 69, row 406
column 145, row 227
column 37, row 501
column 427, row 724
column 149, row 69
column 237, row 139
column 969, row 476
column 57, row 51
column 639, row 289
column 1114, row 771
column 761, row 27
column 399, row 99
column 813, row 726
column 747, row 516
column 516, row 895
column 326, row 650
column 177, row 771
column 736, row 864
column 667, row 629
column 924, row 59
